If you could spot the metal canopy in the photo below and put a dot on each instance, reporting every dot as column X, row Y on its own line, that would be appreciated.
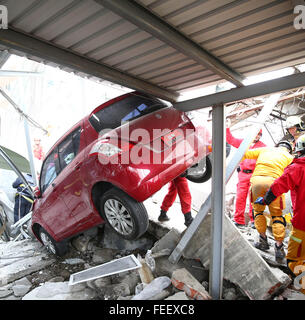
column 162, row 31
column 164, row 48
column 255, row 90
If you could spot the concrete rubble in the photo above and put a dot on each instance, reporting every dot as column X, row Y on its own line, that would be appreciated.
column 28, row 272
column 242, row 265
column 183, row 280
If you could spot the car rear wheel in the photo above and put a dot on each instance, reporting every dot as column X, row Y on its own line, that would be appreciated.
column 126, row 216
column 201, row 172
column 56, row 248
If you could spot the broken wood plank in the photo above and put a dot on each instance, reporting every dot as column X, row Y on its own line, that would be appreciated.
column 183, row 280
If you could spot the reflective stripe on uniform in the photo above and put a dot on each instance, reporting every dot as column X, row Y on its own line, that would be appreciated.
column 278, row 221
column 295, row 239
column 28, row 199
column 258, row 214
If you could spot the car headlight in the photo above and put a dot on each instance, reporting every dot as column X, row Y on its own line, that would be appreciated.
column 107, row 149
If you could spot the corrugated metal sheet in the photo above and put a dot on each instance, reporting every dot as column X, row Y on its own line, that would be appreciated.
column 249, row 36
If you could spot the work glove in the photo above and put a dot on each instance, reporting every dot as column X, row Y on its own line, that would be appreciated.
column 260, row 200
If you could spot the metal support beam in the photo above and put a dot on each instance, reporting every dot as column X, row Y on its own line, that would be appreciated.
column 145, row 20
column 231, row 167
column 50, row 52
column 30, row 150
column 255, row 90
column 218, row 201
column 4, row 55
column 13, row 73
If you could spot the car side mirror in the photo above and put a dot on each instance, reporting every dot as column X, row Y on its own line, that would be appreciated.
column 37, row 193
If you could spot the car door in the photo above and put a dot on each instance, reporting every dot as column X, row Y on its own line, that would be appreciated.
column 52, row 209
column 74, row 190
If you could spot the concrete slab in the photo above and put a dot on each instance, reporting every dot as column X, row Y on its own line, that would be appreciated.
column 60, row 291
column 242, row 265
column 178, row 296
column 21, row 258
column 290, row 294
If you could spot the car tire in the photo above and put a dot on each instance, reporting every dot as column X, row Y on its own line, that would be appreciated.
column 56, row 248
column 205, row 175
column 126, row 216
column 3, row 226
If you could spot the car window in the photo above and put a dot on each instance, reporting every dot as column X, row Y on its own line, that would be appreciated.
column 48, row 172
column 68, row 149
column 127, row 109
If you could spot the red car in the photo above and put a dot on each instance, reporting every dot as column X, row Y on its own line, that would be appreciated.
column 108, row 163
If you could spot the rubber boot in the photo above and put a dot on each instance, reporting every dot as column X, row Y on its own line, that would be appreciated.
column 188, row 218
column 163, row 216
column 279, row 252
column 262, row 244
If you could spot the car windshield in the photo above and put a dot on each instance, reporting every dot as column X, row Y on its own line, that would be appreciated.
column 125, row 110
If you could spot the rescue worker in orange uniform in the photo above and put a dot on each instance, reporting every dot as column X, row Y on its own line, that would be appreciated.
column 177, row 186
column 245, row 171
column 293, row 179
column 270, row 164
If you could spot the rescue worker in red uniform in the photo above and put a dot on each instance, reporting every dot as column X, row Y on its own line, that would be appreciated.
column 293, row 179
column 245, row 171
column 37, row 149
column 177, row 186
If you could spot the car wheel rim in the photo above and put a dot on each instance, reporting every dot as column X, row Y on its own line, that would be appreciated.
column 197, row 171
column 118, row 216
column 47, row 242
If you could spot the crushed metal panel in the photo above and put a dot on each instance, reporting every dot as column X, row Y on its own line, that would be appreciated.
column 113, row 267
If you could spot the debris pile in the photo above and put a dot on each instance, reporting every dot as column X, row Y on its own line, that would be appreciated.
column 28, row 272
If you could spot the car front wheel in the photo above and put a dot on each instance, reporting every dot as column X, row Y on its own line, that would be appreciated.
column 124, row 215
column 56, row 248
